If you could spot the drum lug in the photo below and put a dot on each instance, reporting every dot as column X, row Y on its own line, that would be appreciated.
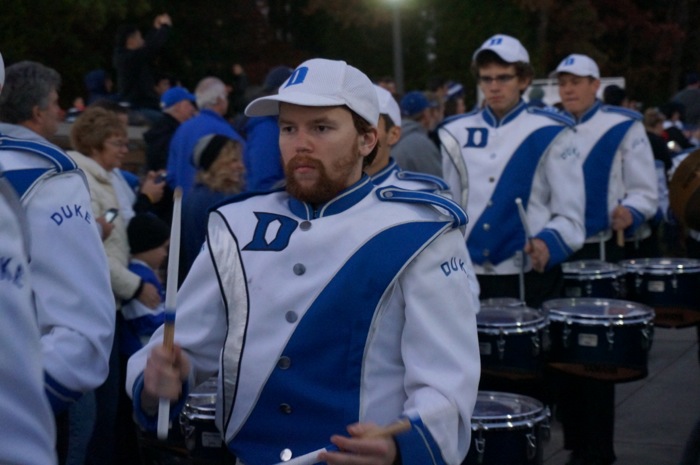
column 589, row 289
column 648, row 335
column 480, row 444
column 674, row 282
column 531, row 443
column 187, row 430
column 610, row 336
column 501, row 345
column 638, row 282
column 565, row 334
column 535, row 344
column 545, row 428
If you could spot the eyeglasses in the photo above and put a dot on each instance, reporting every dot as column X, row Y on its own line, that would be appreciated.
column 501, row 79
column 119, row 144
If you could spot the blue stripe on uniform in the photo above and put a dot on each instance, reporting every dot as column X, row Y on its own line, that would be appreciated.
column 322, row 385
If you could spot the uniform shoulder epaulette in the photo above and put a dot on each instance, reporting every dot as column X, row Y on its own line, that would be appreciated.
column 552, row 114
column 452, row 118
column 23, row 180
column 423, row 177
column 395, row 194
column 622, row 111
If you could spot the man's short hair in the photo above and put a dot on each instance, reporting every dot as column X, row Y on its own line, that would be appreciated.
column 27, row 84
column 614, row 95
column 523, row 70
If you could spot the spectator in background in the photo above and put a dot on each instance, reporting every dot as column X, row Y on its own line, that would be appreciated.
column 388, row 83
column 674, row 127
column 415, row 151
column 163, row 82
column 654, row 126
column 262, row 152
column 133, row 58
column 212, row 101
column 536, row 97
column 615, row 95
column 454, row 100
column 689, row 97
column 178, row 105
column 220, row 174
column 237, row 97
column 99, row 86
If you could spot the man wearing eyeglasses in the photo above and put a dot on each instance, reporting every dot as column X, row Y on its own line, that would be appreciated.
column 506, row 151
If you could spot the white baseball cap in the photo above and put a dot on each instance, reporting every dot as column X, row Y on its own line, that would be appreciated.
column 508, row 48
column 388, row 105
column 579, row 65
column 2, row 71
column 323, row 83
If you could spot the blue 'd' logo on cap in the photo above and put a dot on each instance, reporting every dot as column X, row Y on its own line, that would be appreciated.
column 569, row 61
column 297, row 76
column 496, row 41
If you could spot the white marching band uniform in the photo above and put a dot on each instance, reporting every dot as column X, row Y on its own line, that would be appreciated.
column 618, row 166
column 70, row 278
column 393, row 175
column 28, row 435
column 358, row 311
column 528, row 154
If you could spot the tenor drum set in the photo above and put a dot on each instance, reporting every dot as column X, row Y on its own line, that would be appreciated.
column 602, row 329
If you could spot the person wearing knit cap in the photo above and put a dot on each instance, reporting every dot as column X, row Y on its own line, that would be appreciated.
column 149, row 237
column 220, row 174
column 314, row 304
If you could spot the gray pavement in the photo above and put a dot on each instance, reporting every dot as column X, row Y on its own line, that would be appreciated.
column 654, row 416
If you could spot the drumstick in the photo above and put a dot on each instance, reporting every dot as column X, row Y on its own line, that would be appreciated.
column 523, row 218
column 620, row 232
column 170, row 297
column 393, row 429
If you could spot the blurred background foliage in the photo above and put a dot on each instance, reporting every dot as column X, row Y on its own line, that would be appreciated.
column 649, row 42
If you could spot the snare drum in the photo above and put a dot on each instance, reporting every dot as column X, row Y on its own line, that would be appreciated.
column 592, row 278
column 197, row 441
column 669, row 285
column 501, row 302
column 507, row 429
column 512, row 341
column 202, row 438
column 604, row 339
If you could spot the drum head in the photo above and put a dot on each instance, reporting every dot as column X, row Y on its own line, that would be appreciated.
column 501, row 409
column 661, row 266
column 591, row 269
column 509, row 318
column 596, row 311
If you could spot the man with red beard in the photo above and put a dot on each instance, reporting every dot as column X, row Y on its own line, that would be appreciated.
column 329, row 309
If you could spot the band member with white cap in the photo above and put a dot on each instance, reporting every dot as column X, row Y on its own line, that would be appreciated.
column 621, row 194
column 327, row 308
column 507, row 151
column 618, row 163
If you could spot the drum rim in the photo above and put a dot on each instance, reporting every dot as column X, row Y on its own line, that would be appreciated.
column 676, row 265
column 505, row 327
column 609, row 269
column 554, row 314
column 509, row 421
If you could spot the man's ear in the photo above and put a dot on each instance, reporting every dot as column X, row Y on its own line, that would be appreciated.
column 367, row 141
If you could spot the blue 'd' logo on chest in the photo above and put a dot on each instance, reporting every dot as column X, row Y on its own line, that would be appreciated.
column 272, row 233
column 477, row 137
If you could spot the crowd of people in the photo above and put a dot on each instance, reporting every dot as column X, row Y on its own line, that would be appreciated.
column 337, row 239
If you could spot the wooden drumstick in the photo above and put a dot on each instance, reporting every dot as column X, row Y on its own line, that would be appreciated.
column 398, row 427
column 620, row 232
column 170, row 298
